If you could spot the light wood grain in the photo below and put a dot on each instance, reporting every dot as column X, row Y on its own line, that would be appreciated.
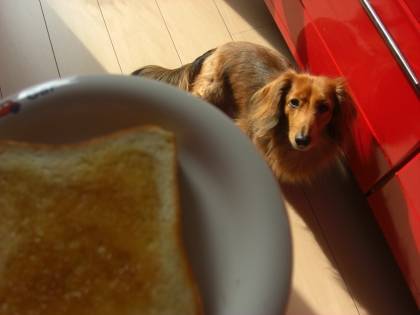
column 241, row 16
column 195, row 26
column 316, row 283
column 268, row 36
column 139, row 34
column 26, row 57
column 79, row 37
column 364, row 266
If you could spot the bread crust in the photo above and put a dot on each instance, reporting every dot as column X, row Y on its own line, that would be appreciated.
column 94, row 227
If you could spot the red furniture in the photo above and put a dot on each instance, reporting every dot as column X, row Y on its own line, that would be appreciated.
column 342, row 38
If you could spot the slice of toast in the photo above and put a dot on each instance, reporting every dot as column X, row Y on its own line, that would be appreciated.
column 94, row 228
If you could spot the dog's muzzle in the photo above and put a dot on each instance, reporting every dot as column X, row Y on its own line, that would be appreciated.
column 302, row 141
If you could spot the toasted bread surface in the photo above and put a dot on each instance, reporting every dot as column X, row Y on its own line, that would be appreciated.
column 93, row 228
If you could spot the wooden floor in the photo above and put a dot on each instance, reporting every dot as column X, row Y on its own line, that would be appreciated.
column 342, row 266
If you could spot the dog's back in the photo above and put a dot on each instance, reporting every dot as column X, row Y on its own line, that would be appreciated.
column 234, row 72
column 226, row 76
column 182, row 77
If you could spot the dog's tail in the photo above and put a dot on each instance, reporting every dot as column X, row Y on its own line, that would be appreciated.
column 182, row 77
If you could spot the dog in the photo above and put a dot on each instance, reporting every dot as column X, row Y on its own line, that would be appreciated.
column 298, row 121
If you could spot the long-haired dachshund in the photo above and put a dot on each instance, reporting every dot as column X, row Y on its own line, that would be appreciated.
column 297, row 120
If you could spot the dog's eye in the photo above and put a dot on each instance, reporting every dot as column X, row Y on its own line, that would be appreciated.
column 294, row 103
column 323, row 108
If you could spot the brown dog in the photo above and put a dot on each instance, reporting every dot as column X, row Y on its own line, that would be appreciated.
column 298, row 121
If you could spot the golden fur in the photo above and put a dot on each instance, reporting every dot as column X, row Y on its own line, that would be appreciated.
column 297, row 120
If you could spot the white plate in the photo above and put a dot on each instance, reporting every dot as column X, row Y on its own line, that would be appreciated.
column 234, row 223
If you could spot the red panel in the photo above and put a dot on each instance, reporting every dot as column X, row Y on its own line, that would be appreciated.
column 403, row 26
column 401, row 227
column 413, row 10
column 410, row 180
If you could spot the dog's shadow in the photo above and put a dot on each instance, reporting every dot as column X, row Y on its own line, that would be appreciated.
column 337, row 212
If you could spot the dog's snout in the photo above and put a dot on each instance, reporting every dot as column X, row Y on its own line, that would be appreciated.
column 302, row 140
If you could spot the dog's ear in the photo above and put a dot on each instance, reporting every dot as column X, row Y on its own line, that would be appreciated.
column 344, row 115
column 266, row 105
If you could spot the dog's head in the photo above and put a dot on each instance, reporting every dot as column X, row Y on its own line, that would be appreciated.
column 314, row 107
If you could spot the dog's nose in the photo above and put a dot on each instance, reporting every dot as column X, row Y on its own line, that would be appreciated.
column 302, row 140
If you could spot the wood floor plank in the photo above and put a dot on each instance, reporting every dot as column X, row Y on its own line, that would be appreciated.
column 79, row 37
column 26, row 54
column 139, row 34
column 241, row 16
column 196, row 26
column 317, row 284
column 346, row 219
column 268, row 36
